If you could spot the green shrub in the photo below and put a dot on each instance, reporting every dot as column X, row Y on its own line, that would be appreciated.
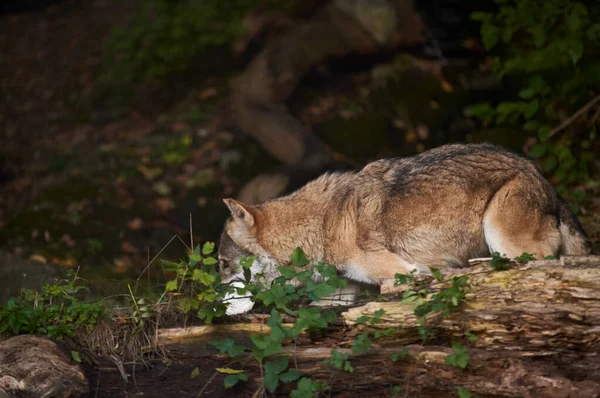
column 55, row 311
column 197, row 284
column 552, row 49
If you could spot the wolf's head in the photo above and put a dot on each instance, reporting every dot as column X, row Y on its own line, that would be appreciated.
column 240, row 239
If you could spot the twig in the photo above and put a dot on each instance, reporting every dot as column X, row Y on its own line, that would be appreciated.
column 159, row 253
column 98, row 383
column 572, row 118
column 191, row 234
column 148, row 269
column 295, row 357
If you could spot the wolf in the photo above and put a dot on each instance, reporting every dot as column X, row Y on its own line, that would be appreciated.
column 401, row 215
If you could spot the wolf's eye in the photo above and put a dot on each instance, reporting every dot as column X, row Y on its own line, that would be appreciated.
column 223, row 264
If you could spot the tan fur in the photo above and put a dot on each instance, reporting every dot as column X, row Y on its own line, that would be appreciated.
column 439, row 208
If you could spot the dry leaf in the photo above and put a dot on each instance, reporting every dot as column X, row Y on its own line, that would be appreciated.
column 164, row 204
column 128, row 247
column 39, row 258
column 122, row 265
column 135, row 224
column 422, row 131
column 447, row 87
column 207, row 93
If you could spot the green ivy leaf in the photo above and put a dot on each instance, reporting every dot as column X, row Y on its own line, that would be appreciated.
column 437, row 274
column 171, row 286
column 169, row 265
column 298, row 258
column 203, row 277
column 397, row 355
column 287, row 272
column 272, row 370
column 246, row 262
column 459, row 357
column 537, row 151
column 273, row 348
column 228, row 346
column 307, row 388
column 209, row 261
column 260, row 341
column 463, row 393
column 549, row 164
column 208, row 248
column 232, row 380
column 277, row 365
column 290, row 375
column 531, row 109
column 489, row 35
column 195, row 257
column 577, row 17
column 544, row 132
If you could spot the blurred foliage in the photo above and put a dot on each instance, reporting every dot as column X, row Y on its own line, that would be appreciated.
column 167, row 34
column 552, row 49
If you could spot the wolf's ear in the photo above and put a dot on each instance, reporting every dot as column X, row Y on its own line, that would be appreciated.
column 241, row 212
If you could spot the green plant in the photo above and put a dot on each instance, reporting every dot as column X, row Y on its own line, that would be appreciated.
column 339, row 361
column 463, row 393
column 551, row 49
column 525, row 257
column 440, row 304
column 289, row 298
column 197, row 283
column 459, row 357
column 427, row 302
column 55, row 311
column 499, row 262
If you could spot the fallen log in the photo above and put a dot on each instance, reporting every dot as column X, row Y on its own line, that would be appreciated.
column 537, row 329
column 421, row 372
column 537, row 306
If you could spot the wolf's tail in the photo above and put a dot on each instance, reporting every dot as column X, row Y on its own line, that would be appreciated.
column 574, row 240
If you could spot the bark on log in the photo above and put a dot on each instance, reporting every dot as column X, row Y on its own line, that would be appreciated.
column 531, row 307
column 36, row 367
column 423, row 373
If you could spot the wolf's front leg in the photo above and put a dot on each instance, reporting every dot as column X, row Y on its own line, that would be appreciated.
column 238, row 304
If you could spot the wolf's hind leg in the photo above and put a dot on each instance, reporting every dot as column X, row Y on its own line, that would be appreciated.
column 517, row 220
